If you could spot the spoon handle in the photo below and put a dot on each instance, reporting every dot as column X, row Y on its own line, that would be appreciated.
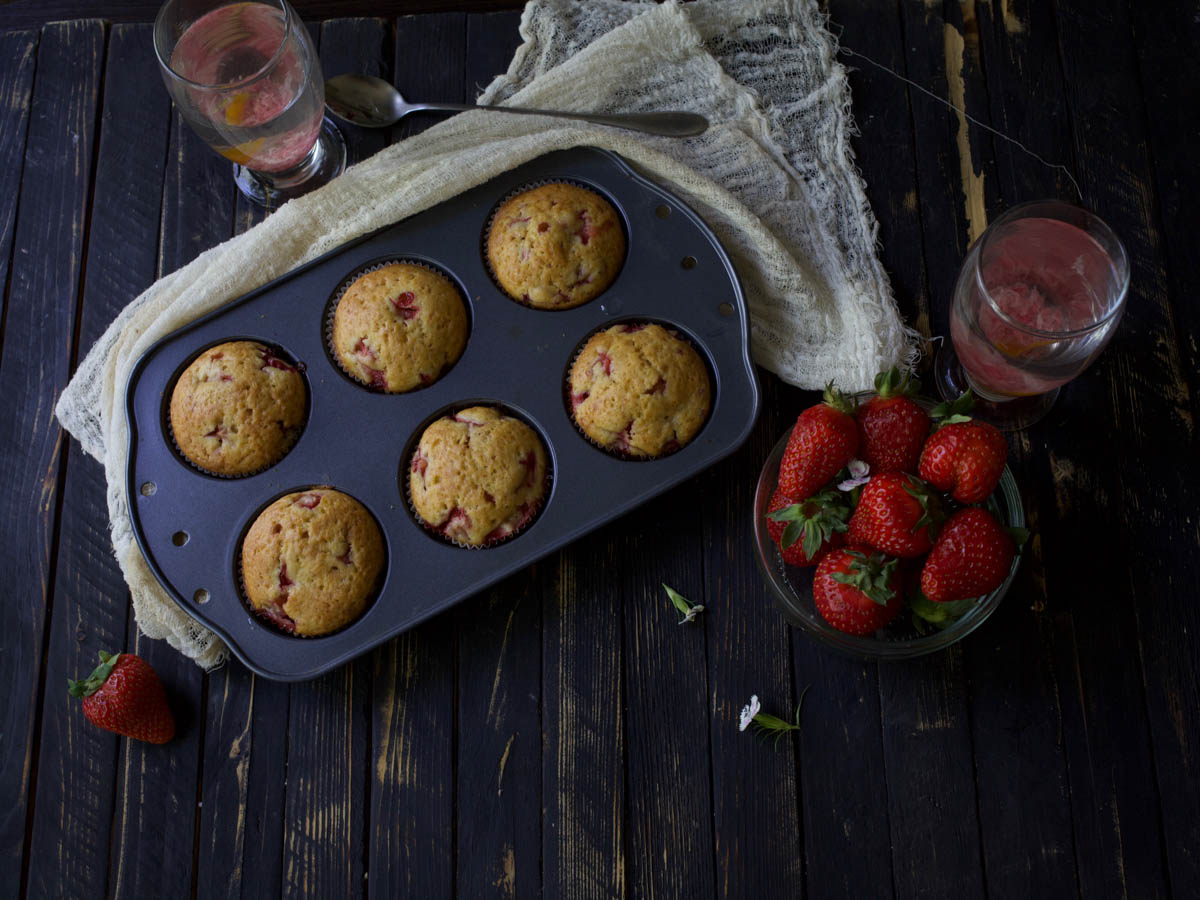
column 671, row 124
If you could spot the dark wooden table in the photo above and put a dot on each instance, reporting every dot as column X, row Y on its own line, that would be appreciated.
column 560, row 734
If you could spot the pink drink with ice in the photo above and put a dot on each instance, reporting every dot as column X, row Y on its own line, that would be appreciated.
column 1032, row 307
column 257, row 97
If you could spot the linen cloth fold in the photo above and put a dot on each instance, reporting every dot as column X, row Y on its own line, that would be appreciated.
column 773, row 176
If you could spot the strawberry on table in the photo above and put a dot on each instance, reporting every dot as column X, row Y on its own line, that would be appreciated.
column 971, row 557
column 896, row 514
column 964, row 456
column 804, row 531
column 824, row 440
column 123, row 694
column 857, row 591
column 892, row 427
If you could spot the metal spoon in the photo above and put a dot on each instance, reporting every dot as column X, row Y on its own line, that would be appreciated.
column 374, row 103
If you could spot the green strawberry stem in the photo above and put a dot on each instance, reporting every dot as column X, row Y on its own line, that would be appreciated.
column 88, row 686
column 953, row 411
column 894, row 384
column 871, row 575
column 839, row 401
column 831, row 516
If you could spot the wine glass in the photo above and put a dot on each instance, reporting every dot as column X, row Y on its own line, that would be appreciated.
column 1038, row 297
column 246, row 78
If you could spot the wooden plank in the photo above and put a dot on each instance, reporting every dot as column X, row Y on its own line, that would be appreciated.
column 668, row 770
column 156, row 821
column 39, row 329
column 17, row 49
column 78, row 763
column 411, row 841
column 1016, row 719
column 498, row 779
column 1166, row 44
column 749, row 652
column 1136, row 404
column 26, row 13
column 324, row 811
column 583, row 836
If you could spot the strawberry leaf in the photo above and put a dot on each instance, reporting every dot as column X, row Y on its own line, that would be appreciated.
column 940, row 615
column 88, row 686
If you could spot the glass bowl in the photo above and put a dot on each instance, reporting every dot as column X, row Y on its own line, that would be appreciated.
column 792, row 586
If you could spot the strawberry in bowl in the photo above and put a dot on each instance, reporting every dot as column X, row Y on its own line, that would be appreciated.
column 947, row 553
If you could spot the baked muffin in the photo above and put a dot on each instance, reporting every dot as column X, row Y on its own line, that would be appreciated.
column 399, row 327
column 311, row 561
column 237, row 408
column 478, row 476
column 639, row 390
column 555, row 246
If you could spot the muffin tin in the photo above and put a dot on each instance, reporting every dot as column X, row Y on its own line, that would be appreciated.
column 190, row 525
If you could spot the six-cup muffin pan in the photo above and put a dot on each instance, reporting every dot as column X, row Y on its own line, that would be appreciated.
column 190, row 524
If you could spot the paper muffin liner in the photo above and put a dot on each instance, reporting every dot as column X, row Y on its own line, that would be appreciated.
column 170, row 425
column 529, row 186
column 265, row 621
column 606, row 448
column 331, row 310
column 434, row 531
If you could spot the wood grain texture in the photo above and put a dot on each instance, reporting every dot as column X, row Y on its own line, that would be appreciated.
column 26, row 13
column 667, row 770
column 755, row 780
column 1016, row 720
column 325, row 823
column 1116, row 505
column 583, row 736
column 39, row 328
column 412, row 765
column 498, row 780
column 69, row 853
column 1167, row 45
column 17, row 61
column 155, row 827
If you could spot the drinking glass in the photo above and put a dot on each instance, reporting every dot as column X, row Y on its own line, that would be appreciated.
column 1038, row 297
column 246, row 78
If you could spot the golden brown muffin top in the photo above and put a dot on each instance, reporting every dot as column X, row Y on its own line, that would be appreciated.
column 311, row 561
column 639, row 390
column 477, row 476
column 237, row 408
column 399, row 327
column 556, row 246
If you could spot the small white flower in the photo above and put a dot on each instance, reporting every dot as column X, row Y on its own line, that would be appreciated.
column 860, row 473
column 692, row 612
column 749, row 711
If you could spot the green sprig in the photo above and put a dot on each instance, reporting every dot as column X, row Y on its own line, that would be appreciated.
column 686, row 609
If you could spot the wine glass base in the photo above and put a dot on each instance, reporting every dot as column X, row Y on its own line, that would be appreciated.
column 1008, row 414
column 325, row 162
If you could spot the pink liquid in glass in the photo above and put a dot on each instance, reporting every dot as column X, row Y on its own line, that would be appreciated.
column 262, row 100
column 1025, row 330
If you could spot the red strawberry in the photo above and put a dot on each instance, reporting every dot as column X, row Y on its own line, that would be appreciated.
column 857, row 591
column 971, row 557
column 892, row 427
column 894, row 515
column 123, row 694
column 963, row 456
column 805, row 531
column 824, row 440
